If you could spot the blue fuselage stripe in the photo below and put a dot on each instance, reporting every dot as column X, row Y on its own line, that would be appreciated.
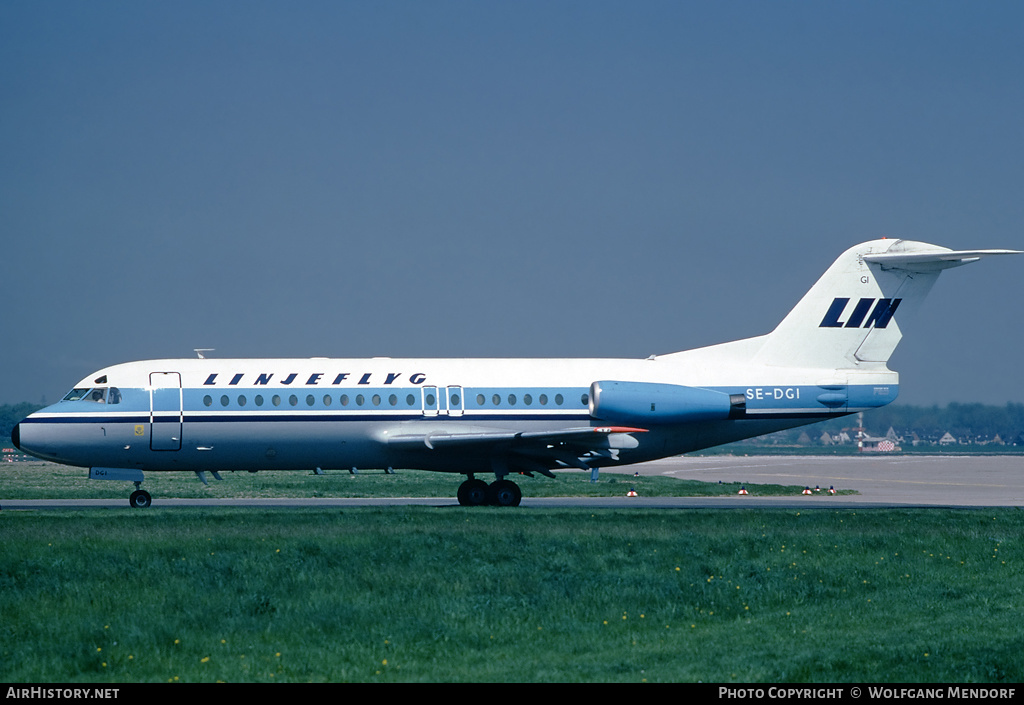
column 776, row 402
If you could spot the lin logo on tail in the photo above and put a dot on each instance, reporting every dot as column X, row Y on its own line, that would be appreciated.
column 881, row 312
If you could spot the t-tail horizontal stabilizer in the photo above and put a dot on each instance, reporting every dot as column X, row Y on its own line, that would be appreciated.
column 931, row 261
column 855, row 315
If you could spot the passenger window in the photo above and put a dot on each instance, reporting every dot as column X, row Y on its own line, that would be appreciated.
column 241, row 400
column 208, row 400
column 559, row 399
column 543, row 399
column 259, row 400
column 310, row 400
column 527, row 399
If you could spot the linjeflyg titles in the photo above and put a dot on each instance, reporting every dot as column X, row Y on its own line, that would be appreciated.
column 216, row 379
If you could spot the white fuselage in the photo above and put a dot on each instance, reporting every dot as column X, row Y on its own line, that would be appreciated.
column 251, row 414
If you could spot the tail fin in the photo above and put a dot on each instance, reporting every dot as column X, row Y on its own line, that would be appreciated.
column 854, row 316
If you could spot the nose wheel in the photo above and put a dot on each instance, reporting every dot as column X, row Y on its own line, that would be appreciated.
column 140, row 499
column 477, row 493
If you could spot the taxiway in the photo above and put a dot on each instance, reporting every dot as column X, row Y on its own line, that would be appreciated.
column 882, row 481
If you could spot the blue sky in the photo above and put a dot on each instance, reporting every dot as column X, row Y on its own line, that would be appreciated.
column 592, row 179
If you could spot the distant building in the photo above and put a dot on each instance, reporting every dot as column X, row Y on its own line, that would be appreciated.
column 947, row 439
column 877, row 444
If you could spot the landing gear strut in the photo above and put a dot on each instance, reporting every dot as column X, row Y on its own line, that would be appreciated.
column 477, row 493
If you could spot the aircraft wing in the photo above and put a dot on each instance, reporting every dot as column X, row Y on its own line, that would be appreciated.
column 583, row 437
column 527, row 451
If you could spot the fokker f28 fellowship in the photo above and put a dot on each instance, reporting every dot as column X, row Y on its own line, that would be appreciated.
column 479, row 416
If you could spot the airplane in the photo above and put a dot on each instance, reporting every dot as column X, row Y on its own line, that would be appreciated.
column 827, row 358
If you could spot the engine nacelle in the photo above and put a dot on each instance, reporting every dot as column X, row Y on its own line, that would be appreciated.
column 647, row 402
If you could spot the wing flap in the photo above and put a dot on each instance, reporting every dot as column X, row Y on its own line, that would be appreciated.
column 586, row 437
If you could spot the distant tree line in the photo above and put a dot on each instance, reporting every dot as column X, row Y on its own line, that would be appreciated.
column 968, row 423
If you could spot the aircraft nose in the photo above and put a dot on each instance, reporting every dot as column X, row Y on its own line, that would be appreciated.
column 16, row 436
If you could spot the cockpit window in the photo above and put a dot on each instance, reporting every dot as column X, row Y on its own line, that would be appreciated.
column 97, row 395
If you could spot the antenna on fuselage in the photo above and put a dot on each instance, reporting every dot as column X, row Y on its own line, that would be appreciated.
column 200, row 351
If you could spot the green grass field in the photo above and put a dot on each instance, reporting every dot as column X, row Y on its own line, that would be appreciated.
column 454, row 594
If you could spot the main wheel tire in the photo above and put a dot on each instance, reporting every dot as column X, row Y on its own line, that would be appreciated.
column 473, row 493
column 504, row 493
column 140, row 499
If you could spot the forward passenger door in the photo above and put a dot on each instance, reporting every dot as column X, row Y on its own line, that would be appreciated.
column 165, row 411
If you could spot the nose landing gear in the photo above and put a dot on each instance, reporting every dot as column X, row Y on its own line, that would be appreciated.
column 140, row 499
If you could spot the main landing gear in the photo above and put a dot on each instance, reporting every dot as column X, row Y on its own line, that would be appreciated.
column 501, row 493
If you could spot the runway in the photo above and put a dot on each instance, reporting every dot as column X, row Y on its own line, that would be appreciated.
column 882, row 481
